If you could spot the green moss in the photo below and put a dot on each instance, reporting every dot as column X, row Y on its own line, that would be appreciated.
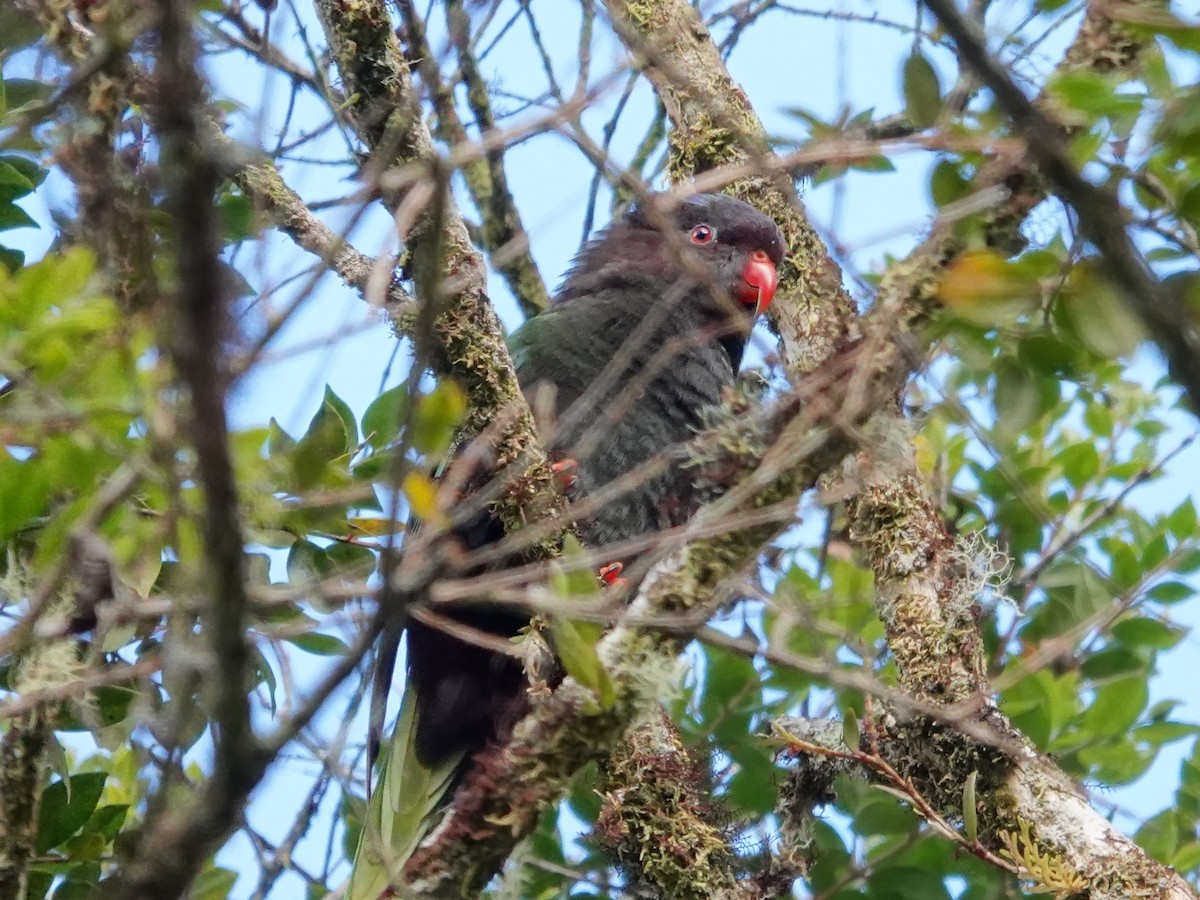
column 649, row 16
column 656, row 819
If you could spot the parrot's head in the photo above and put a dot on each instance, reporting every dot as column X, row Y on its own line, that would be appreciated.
column 715, row 251
column 740, row 246
column 711, row 258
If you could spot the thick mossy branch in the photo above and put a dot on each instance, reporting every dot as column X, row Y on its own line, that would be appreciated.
column 919, row 583
column 919, row 579
column 921, row 594
column 22, row 756
column 659, row 820
column 466, row 341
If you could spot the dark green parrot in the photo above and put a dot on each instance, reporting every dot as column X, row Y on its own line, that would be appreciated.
column 647, row 331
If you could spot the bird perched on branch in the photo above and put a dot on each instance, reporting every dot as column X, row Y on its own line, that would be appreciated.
column 647, row 331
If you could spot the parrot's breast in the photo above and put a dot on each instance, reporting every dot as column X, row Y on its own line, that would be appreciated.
column 628, row 395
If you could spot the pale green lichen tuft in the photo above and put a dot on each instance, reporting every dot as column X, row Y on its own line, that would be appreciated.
column 1049, row 871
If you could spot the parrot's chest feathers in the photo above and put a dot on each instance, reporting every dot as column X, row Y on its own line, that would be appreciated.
column 632, row 420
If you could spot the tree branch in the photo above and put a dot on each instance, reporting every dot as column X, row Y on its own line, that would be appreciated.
column 22, row 751
column 287, row 210
column 503, row 233
column 467, row 342
column 175, row 842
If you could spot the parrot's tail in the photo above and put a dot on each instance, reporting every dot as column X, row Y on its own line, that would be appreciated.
column 401, row 808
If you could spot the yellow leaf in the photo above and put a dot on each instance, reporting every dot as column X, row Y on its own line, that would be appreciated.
column 375, row 526
column 983, row 287
column 421, row 493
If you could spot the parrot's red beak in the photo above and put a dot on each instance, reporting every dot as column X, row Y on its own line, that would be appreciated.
column 759, row 280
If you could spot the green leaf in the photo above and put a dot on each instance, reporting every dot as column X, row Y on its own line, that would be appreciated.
column 306, row 562
column 946, row 183
column 1159, row 733
column 66, row 806
column 263, row 674
column 18, row 29
column 1186, row 858
column 922, row 90
column 237, row 216
column 11, row 260
column 1099, row 419
column 45, row 285
column 1080, row 463
column 1050, row 355
column 1099, row 318
column 24, row 495
column 970, row 813
column 331, row 435
column 353, row 561
column 213, row 884
column 1182, row 520
column 1017, row 399
column 850, row 730
column 437, row 417
column 1171, row 592
column 78, row 886
column 1116, row 707
column 113, row 702
column 13, row 183
column 279, row 442
column 319, row 644
column 12, row 216
column 575, row 642
column 27, row 168
column 874, row 163
column 381, row 421
column 571, row 576
column 1094, row 95
column 879, row 813
column 1118, row 761
column 752, row 788
column 107, row 820
column 1113, row 662
column 20, row 91
column 345, row 414
column 1145, row 632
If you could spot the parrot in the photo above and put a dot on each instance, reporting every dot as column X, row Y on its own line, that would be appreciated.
column 645, row 334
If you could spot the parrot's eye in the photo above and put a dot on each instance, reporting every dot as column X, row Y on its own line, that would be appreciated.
column 703, row 234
